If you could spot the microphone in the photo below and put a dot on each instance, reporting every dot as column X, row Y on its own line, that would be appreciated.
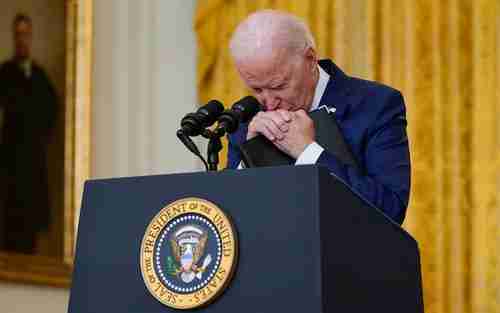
column 241, row 112
column 194, row 123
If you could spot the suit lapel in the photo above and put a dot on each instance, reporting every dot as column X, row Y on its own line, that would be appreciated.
column 338, row 93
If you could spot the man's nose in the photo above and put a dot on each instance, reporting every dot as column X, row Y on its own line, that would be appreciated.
column 269, row 101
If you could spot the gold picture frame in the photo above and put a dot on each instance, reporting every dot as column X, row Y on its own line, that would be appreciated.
column 77, row 131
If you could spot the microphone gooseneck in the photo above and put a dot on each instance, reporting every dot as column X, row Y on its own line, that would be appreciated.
column 188, row 143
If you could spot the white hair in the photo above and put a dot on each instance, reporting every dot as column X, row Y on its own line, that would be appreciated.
column 266, row 30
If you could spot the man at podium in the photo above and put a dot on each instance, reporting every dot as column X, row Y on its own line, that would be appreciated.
column 275, row 55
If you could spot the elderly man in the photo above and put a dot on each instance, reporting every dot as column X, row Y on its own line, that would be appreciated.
column 274, row 53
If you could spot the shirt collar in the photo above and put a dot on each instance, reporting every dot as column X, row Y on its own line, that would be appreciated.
column 320, row 88
column 26, row 67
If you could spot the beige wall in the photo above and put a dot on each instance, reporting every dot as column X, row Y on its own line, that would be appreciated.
column 145, row 84
column 16, row 298
column 144, row 81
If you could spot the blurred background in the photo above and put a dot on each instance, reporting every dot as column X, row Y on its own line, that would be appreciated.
column 156, row 60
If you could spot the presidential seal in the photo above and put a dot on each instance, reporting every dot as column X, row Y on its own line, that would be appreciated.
column 188, row 253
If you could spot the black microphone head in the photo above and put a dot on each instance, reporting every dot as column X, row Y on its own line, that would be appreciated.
column 210, row 112
column 191, row 124
column 247, row 108
column 229, row 121
column 194, row 123
column 241, row 112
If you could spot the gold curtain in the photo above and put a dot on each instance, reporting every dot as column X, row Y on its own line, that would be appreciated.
column 445, row 58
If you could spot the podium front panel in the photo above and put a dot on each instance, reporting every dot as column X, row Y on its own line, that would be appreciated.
column 275, row 213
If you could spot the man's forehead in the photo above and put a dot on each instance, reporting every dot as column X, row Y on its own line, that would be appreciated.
column 258, row 76
column 272, row 68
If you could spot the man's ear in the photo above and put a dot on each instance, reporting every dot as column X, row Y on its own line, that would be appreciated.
column 311, row 57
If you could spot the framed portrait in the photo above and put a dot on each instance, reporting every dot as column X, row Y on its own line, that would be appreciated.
column 45, row 93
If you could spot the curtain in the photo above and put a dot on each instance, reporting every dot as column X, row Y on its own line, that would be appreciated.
column 445, row 58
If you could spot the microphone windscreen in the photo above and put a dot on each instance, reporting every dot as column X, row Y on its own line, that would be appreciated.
column 247, row 107
column 211, row 111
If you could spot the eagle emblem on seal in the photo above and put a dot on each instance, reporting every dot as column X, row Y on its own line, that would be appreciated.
column 188, row 247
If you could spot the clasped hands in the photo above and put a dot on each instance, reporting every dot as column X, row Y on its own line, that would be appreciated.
column 290, row 131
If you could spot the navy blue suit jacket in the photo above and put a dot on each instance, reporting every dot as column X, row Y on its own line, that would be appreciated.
column 372, row 119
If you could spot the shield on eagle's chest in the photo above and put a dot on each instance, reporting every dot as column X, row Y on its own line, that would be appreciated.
column 188, row 239
column 187, row 258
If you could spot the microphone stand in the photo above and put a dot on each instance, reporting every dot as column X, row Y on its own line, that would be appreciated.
column 214, row 147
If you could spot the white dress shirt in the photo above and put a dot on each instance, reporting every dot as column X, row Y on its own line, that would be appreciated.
column 312, row 152
column 26, row 68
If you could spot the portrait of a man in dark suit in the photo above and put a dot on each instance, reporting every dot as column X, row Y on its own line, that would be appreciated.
column 28, row 106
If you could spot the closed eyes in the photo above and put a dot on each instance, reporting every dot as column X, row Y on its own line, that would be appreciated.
column 278, row 87
column 281, row 86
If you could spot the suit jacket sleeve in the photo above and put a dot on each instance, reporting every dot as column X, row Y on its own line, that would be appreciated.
column 386, row 181
column 233, row 151
column 233, row 156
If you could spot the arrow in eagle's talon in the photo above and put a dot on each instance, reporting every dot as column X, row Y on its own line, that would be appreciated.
column 206, row 263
